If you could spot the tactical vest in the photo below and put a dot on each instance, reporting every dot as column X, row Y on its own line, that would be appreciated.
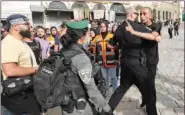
column 56, row 84
column 104, row 56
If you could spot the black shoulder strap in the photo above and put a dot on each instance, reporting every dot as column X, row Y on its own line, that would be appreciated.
column 37, row 42
column 69, row 53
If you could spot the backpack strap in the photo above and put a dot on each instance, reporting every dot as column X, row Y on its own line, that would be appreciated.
column 37, row 43
column 69, row 53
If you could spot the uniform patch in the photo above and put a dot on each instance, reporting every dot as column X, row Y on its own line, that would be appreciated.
column 85, row 75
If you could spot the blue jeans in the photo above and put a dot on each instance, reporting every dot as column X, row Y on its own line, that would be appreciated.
column 110, row 76
column 5, row 111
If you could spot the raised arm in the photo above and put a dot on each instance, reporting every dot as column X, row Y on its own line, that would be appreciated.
column 149, row 36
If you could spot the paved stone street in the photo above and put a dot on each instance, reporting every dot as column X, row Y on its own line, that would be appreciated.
column 169, row 80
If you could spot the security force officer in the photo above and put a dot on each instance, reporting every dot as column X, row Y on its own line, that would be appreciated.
column 151, row 47
column 133, row 64
column 73, row 40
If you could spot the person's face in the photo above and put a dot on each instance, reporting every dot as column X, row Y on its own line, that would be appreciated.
column 64, row 30
column 103, row 27
column 53, row 31
column 40, row 33
column 145, row 15
column 84, row 38
column 92, row 34
column 32, row 31
column 24, row 29
column 114, row 28
column 134, row 16
column 48, row 32
column 4, row 33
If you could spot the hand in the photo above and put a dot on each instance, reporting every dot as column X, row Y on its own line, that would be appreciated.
column 109, row 46
column 129, row 28
column 158, row 39
column 106, row 113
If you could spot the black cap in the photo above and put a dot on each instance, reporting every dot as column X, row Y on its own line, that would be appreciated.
column 15, row 19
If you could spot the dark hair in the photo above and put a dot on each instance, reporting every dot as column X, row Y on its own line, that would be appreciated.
column 106, row 24
column 53, row 27
column 40, row 27
column 113, row 27
column 72, row 36
column 94, row 30
column 63, row 25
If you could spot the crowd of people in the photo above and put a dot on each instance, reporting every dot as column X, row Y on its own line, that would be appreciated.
column 128, row 50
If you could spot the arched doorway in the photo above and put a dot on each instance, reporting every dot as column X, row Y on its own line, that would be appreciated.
column 98, row 14
column 166, row 15
column 80, row 5
column 119, row 11
column 154, row 14
column 80, row 10
column 57, row 5
column 99, row 6
column 56, row 13
column 170, row 16
column 159, row 15
column 163, row 15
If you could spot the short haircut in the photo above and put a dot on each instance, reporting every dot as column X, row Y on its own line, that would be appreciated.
column 40, row 27
column 148, row 9
column 53, row 27
column 130, row 10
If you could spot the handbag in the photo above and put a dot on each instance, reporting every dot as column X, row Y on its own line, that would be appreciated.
column 17, row 85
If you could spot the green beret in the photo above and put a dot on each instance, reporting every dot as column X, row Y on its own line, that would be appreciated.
column 78, row 25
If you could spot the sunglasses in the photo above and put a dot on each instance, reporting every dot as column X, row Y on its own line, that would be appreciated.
column 136, row 13
column 143, row 13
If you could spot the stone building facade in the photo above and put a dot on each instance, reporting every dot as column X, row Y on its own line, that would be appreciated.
column 49, row 13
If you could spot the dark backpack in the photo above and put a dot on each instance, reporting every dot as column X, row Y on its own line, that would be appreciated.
column 55, row 84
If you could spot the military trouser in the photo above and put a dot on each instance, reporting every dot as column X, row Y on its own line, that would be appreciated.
column 132, row 72
column 58, row 111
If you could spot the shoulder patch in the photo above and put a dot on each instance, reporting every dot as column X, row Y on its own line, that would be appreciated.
column 85, row 75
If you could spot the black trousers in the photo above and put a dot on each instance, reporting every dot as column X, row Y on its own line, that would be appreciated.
column 132, row 72
column 170, row 32
column 22, row 104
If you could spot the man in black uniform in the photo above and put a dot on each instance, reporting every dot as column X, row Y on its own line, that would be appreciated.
column 133, row 65
column 151, row 47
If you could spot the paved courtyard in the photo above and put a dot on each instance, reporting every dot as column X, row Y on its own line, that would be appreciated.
column 169, row 80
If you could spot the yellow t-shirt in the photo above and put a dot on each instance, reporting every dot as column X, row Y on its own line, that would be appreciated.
column 17, row 51
column 51, row 40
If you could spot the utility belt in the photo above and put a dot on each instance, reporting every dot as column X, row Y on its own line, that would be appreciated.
column 70, row 103
column 138, row 54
